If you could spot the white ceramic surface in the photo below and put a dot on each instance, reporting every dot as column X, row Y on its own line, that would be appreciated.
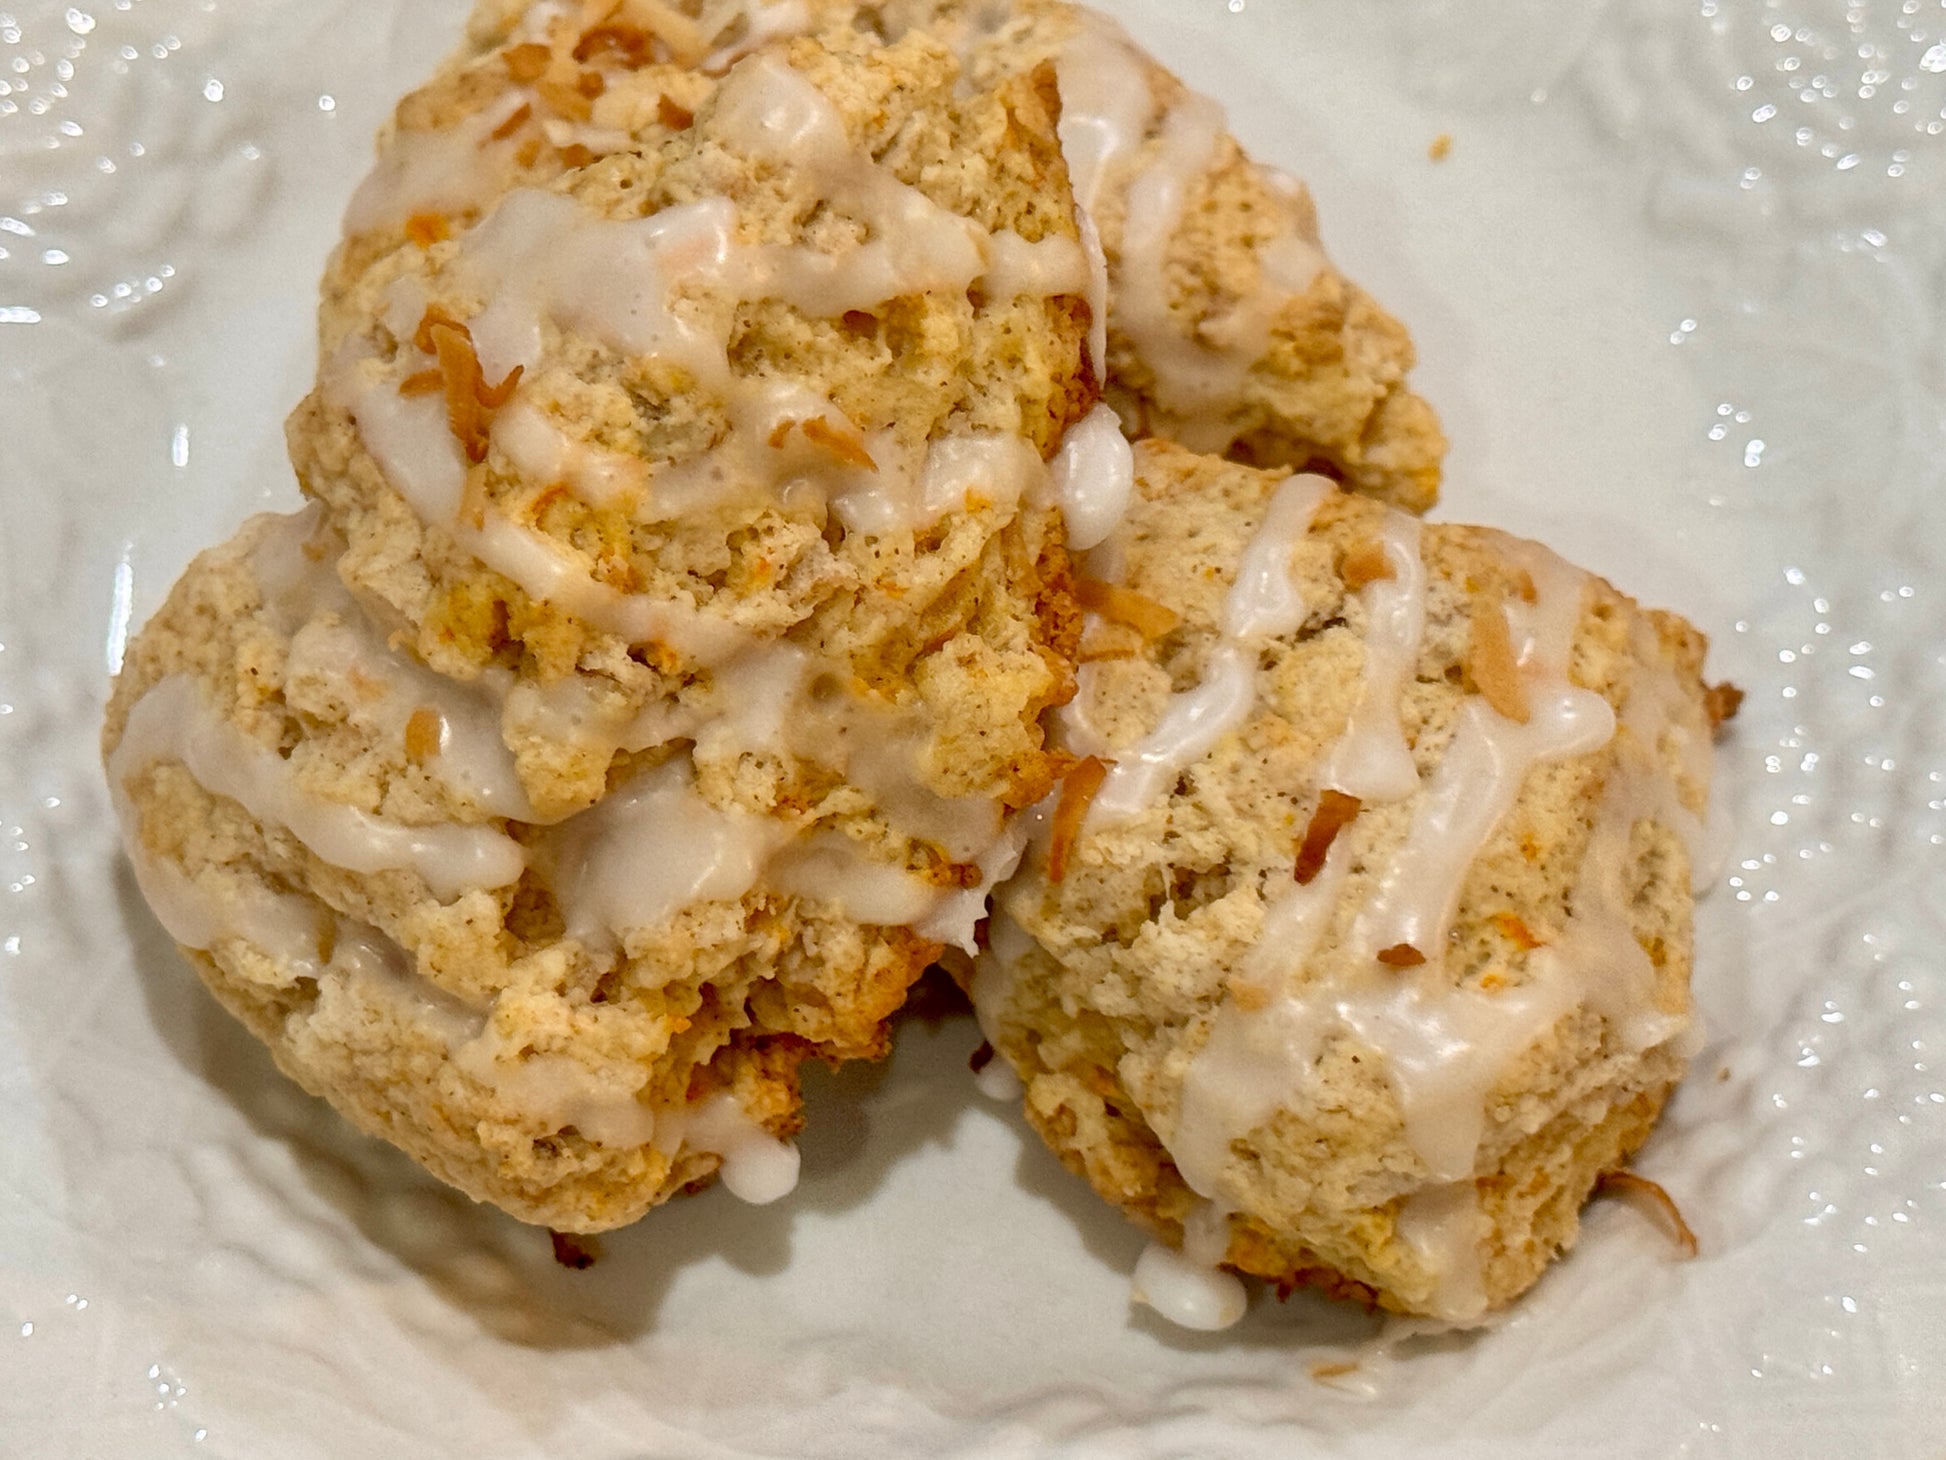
column 1680, row 293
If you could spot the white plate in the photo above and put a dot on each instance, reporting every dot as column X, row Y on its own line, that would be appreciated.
column 1680, row 290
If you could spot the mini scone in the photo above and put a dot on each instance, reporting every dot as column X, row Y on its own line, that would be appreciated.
column 1358, row 949
column 1229, row 330
column 572, row 1021
column 769, row 383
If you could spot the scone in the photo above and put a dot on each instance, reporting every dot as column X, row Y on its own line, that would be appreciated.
column 571, row 1021
column 1358, row 946
column 761, row 388
column 1229, row 330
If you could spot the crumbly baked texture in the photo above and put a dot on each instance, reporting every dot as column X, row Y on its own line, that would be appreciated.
column 556, row 1043
column 1239, row 337
column 1157, row 972
column 743, row 440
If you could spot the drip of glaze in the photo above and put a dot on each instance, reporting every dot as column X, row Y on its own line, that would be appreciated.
column 1262, row 603
column 756, row 1167
column 174, row 722
column 829, row 868
column 1188, row 1287
column 1093, row 478
column 1445, row 1229
column 1372, row 761
column 652, row 848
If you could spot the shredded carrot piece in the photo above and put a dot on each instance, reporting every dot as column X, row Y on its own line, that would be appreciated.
column 576, row 155
column 1628, row 1183
column 527, row 62
column 425, row 382
column 1516, row 931
column 520, row 117
column 1490, row 661
column 1335, row 812
column 423, row 733
column 529, row 150
column 1401, row 955
column 1078, row 790
column 565, row 100
column 495, row 396
column 1148, row 618
column 591, row 84
column 1365, row 562
column 1248, row 995
column 1721, row 703
column 843, row 444
column 624, row 41
column 678, row 119
column 426, row 229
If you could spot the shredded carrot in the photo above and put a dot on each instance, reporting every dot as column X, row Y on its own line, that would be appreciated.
column 520, row 117
column 1490, row 661
column 1248, row 995
column 1335, row 812
column 1148, row 618
column 1627, row 1183
column 426, row 229
column 1516, row 931
column 527, row 62
column 423, row 733
column 624, row 41
column 1401, row 955
column 591, row 84
column 576, row 155
column 565, row 100
column 1078, row 790
column 680, row 119
column 843, row 444
column 1365, row 562
column 1721, row 703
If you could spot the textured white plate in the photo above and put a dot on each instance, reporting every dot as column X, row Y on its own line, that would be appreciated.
column 1680, row 291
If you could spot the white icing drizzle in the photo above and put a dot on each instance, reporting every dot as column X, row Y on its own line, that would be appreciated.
column 756, row 1166
column 444, row 171
column 1262, row 603
column 996, row 1080
column 286, row 929
column 1108, row 117
column 336, row 655
column 1445, row 1228
column 652, row 848
column 174, row 721
column 828, row 867
column 1093, row 478
column 955, row 920
column 1482, row 772
column 1372, row 761
column 558, row 1090
column 1189, row 1287
column 537, row 448
column 1252, row 1061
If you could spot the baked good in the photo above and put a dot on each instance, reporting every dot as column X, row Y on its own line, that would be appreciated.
column 1371, row 953
column 1229, row 330
column 572, row 1021
column 775, row 378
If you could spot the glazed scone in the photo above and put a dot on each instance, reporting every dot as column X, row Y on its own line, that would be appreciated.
column 571, row 1021
column 1229, row 330
column 776, row 382
column 1372, row 952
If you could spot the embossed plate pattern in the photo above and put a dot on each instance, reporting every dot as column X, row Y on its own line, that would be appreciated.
column 1680, row 291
